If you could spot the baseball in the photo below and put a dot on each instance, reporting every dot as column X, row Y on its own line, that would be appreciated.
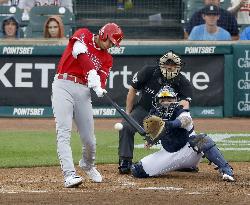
column 118, row 126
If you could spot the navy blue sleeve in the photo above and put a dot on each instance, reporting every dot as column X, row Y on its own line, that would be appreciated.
column 234, row 26
column 174, row 124
column 228, row 22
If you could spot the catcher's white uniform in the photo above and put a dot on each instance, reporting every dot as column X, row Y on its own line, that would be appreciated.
column 164, row 161
column 182, row 148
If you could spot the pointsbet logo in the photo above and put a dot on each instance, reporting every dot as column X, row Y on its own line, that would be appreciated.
column 17, row 50
column 116, row 50
column 200, row 50
column 28, row 111
column 104, row 111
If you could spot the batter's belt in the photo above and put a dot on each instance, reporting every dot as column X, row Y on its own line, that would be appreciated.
column 66, row 76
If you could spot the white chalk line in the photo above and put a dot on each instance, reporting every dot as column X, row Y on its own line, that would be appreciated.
column 195, row 193
column 76, row 190
column 161, row 188
column 220, row 139
column 42, row 191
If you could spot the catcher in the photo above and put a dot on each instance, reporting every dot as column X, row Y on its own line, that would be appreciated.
column 181, row 147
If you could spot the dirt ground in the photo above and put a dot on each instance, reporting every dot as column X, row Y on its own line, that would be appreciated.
column 43, row 185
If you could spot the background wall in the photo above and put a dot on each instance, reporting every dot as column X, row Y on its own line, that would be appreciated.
column 219, row 74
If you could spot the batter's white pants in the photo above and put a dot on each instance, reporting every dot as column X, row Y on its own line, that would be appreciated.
column 162, row 161
column 73, row 101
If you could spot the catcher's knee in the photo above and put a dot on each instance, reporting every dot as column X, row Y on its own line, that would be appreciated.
column 201, row 142
column 138, row 171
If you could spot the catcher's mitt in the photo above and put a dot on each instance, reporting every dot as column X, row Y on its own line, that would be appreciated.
column 153, row 126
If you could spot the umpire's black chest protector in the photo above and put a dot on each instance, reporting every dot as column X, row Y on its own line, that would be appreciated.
column 155, row 81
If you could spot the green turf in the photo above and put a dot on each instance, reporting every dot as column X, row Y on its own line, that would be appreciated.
column 33, row 148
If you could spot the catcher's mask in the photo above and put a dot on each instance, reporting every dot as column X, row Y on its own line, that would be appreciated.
column 170, row 65
column 166, row 101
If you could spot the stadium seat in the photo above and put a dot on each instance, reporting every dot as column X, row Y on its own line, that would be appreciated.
column 38, row 16
column 10, row 11
column 6, row 11
column 36, row 31
column 135, row 22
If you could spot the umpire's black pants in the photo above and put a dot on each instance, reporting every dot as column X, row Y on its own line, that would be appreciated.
column 126, row 135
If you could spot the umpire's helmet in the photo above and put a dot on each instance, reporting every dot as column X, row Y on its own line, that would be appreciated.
column 170, row 58
column 112, row 32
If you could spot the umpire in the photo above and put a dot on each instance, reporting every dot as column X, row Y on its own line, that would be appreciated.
column 148, row 81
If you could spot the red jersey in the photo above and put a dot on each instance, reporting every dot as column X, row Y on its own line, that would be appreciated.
column 101, row 59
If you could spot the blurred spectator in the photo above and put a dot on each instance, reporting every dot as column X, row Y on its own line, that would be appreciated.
column 53, row 27
column 10, row 27
column 120, row 5
column 226, row 20
column 209, row 31
column 241, row 9
column 9, row 2
column 245, row 34
column 127, row 4
column 27, row 5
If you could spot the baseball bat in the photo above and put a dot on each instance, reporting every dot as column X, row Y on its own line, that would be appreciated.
column 128, row 118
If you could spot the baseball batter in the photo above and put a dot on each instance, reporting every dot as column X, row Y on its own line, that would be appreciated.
column 148, row 81
column 84, row 64
column 182, row 148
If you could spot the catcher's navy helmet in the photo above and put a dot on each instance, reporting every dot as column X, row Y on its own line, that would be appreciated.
column 165, row 107
column 166, row 91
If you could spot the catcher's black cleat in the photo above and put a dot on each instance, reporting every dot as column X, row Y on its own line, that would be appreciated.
column 125, row 166
column 191, row 169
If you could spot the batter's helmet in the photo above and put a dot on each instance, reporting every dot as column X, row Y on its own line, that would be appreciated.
column 112, row 32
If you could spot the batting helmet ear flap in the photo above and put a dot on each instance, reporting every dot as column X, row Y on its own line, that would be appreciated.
column 102, row 35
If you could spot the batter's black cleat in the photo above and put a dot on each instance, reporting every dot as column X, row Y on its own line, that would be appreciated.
column 125, row 166
column 191, row 169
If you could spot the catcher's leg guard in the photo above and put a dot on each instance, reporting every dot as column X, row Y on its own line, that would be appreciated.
column 203, row 143
column 138, row 171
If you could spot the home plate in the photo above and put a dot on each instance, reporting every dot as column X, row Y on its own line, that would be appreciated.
column 161, row 188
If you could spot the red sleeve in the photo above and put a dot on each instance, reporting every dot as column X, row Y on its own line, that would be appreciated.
column 85, row 63
column 104, row 71
column 81, row 35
